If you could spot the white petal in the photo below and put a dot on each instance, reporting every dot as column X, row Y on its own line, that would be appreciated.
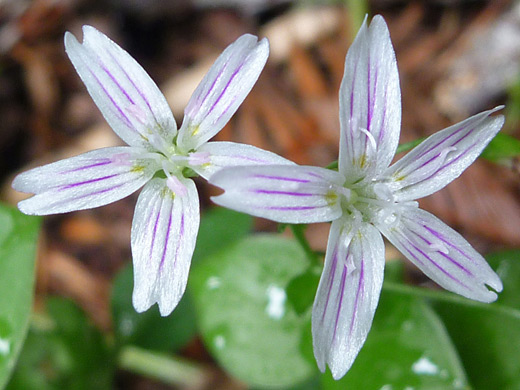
column 283, row 193
column 218, row 155
column 222, row 90
column 442, row 157
column 442, row 254
column 86, row 181
column 347, row 295
column 370, row 104
column 128, row 98
column 164, row 232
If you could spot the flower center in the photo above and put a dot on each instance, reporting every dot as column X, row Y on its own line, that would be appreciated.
column 372, row 202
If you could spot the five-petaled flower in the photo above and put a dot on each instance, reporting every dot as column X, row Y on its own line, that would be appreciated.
column 366, row 197
column 166, row 220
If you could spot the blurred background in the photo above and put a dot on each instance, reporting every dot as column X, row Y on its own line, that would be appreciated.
column 455, row 58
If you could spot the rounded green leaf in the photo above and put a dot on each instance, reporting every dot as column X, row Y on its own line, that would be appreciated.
column 18, row 238
column 243, row 314
column 407, row 348
column 220, row 227
column 149, row 330
column 487, row 336
column 63, row 351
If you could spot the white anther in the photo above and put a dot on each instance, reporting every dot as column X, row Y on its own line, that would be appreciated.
column 199, row 158
column 138, row 113
column 121, row 159
column 176, row 186
column 439, row 246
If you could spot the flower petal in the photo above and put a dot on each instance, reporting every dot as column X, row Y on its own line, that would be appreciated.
column 128, row 98
column 86, row 181
column 218, row 155
column 283, row 193
column 347, row 295
column 164, row 231
column 442, row 157
column 442, row 254
column 222, row 90
column 370, row 104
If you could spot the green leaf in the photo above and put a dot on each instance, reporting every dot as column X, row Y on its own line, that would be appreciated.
column 220, row 227
column 246, row 323
column 407, row 348
column 149, row 330
column 63, row 351
column 409, row 145
column 502, row 149
column 487, row 336
column 301, row 290
column 18, row 238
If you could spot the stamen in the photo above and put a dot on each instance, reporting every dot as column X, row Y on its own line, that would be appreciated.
column 371, row 139
column 383, row 192
column 357, row 220
column 434, row 244
column 443, row 155
column 428, row 168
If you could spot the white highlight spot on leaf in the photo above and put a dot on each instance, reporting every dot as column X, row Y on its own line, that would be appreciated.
column 127, row 326
column 213, row 282
column 5, row 347
column 408, row 326
column 276, row 302
column 423, row 366
column 458, row 384
column 219, row 341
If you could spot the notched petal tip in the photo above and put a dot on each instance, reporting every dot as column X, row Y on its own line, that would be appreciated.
column 347, row 295
column 370, row 103
column 222, row 90
column 164, row 231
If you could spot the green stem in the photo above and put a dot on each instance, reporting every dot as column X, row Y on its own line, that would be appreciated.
column 299, row 234
column 451, row 298
column 165, row 368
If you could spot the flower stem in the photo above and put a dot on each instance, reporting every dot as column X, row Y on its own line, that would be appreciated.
column 299, row 234
column 444, row 296
column 165, row 368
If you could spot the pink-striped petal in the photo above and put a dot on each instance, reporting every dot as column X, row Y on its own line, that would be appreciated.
column 370, row 104
column 86, row 181
column 130, row 101
column 222, row 90
column 442, row 254
column 347, row 295
column 164, row 232
column 282, row 193
column 217, row 155
column 442, row 157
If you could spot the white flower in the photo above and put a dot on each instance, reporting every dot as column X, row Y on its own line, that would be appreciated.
column 166, row 219
column 367, row 197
